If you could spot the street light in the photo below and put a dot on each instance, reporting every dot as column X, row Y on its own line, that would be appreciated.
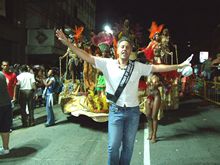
column 108, row 29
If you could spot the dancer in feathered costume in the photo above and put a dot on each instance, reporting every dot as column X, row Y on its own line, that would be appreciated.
column 74, row 63
column 93, row 78
column 89, row 73
column 165, row 46
column 153, row 104
column 124, row 30
column 152, row 51
column 104, row 41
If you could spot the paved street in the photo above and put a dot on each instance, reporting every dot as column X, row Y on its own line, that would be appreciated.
column 188, row 136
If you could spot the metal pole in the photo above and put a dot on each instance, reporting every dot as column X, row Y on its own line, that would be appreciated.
column 175, row 46
column 60, row 64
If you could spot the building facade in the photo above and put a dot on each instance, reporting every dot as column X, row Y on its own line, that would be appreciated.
column 27, row 31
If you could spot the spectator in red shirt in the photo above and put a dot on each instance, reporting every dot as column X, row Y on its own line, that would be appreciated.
column 11, row 79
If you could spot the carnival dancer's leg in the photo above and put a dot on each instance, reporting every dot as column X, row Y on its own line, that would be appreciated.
column 155, row 110
column 71, row 70
column 129, row 133
column 149, row 105
column 150, row 128
column 115, row 131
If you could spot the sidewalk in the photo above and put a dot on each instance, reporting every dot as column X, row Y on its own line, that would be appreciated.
column 65, row 143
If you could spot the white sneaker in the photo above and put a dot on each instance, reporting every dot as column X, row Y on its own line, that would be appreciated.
column 4, row 151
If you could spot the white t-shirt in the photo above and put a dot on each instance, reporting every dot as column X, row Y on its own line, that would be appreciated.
column 25, row 80
column 113, row 75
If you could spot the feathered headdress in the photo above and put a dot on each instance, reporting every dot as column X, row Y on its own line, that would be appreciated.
column 77, row 33
column 115, row 43
column 155, row 29
column 103, row 40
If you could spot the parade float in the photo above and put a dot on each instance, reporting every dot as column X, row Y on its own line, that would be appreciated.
column 78, row 103
column 87, row 96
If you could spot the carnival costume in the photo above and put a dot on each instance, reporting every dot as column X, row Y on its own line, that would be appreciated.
column 152, row 51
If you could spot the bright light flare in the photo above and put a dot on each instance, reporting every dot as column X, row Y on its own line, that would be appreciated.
column 108, row 29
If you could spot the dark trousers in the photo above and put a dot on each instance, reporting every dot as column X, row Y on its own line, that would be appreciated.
column 26, row 98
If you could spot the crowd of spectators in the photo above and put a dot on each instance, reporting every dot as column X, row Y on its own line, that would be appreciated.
column 26, row 84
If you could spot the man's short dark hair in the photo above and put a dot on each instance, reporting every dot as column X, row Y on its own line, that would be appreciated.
column 125, row 39
column 24, row 68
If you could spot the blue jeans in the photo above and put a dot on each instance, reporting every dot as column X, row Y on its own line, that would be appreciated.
column 49, row 111
column 122, row 128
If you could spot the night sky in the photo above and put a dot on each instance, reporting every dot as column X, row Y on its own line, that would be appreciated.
column 187, row 20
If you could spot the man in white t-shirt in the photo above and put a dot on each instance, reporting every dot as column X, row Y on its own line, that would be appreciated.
column 124, row 113
column 27, row 87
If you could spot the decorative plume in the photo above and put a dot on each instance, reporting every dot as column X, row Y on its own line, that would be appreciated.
column 102, row 37
column 115, row 43
column 155, row 28
column 77, row 33
column 103, row 40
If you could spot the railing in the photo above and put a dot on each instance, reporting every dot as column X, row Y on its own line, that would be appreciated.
column 209, row 90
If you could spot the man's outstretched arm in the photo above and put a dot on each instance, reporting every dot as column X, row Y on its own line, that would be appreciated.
column 79, row 52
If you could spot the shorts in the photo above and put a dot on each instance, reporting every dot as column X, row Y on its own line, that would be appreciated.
column 5, row 118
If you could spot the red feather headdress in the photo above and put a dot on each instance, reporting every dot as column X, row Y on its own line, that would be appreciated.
column 155, row 29
column 77, row 33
